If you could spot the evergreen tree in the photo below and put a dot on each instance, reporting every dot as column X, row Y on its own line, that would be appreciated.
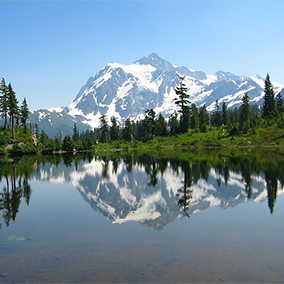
column 150, row 123
column 139, row 130
column 161, row 126
column 36, row 131
column 43, row 138
column 24, row 112
column 57, row 144
column 203, row 118
column 104, row 131
column 234, row 115
column 173, row 124
column 245, row 114
column 128, row 131
column 77, row 143
column 59, row 136
column 13, row 109
column 4, row 102
column 269, row 105
column 225, row 117
column 87, row 139
column 114, row 129
column 280, row 103
column 97, row 135
column 67, row 143
column 76, row 136
column 194, row 117
column 58, row 141
column 217, row 117
column 182, row 101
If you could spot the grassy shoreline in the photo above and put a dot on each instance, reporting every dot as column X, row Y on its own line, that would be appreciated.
column 215, row 138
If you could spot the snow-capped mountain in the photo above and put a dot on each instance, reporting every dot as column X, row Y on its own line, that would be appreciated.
column 126, row 91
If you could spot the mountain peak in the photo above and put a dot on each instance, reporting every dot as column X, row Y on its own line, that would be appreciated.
column 155, row 60
column 125, row 91
column 153, row 56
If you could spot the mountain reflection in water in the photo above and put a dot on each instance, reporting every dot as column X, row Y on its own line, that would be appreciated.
column 153, row 190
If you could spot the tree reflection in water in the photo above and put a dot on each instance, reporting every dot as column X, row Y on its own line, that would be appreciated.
column 184, row 193
column 189, row 166
column 14, row 179
column 16, row 187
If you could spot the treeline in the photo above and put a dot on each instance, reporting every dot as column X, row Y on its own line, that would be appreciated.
column 238, row 121
column 193, row 166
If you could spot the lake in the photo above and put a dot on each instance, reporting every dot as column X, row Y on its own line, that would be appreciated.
column 193, row 216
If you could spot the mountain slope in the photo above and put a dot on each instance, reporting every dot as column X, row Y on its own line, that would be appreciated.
column 126, row 91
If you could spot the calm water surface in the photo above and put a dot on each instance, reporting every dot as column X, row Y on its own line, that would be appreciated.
column 187, row 217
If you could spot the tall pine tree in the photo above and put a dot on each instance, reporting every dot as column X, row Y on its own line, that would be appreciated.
column 161, row 126
column 150, row 123
column 269, row 105
column 24, row 112
column 245, row 114
column 173, row 124
column 128, row 131
column 4, row 102
column 182, row 101
column 104, row 131
column 225, row 117
column 13, row 109
column 280, row 103
column 114, row 129
column 217, row 115
column 204, row 119
column 194, row 117
column 76, row 135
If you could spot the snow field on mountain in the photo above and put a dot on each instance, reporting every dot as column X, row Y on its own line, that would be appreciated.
column 142, row 74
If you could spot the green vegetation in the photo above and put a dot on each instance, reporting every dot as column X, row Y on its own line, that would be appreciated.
column 15, row 135
column 189, row 127
column 247, row 126
column 270, row 136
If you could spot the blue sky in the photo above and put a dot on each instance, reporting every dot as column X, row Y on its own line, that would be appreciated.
column 48, row 49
